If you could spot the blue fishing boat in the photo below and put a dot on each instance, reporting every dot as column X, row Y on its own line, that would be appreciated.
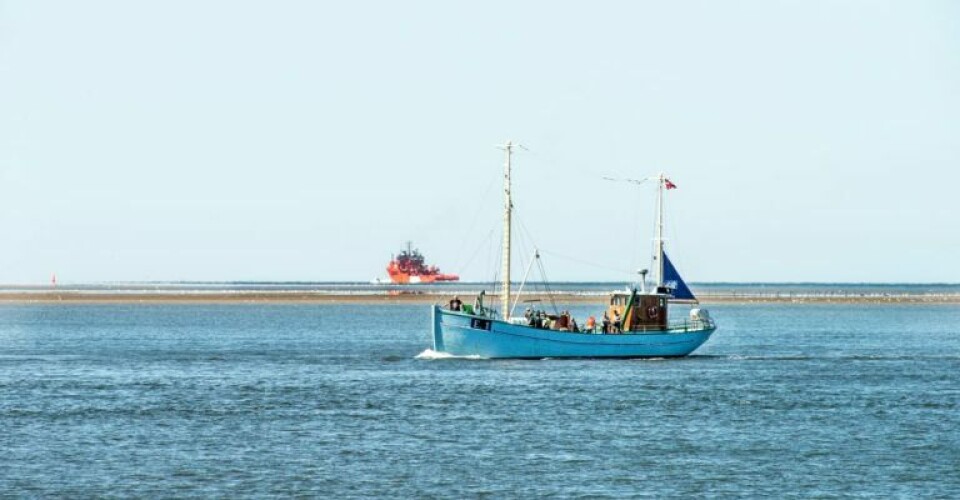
column 636, row 322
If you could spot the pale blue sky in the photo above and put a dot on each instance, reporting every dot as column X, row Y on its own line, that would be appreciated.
column 812, row 141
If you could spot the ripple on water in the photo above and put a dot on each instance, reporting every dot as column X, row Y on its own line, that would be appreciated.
column 258, row 400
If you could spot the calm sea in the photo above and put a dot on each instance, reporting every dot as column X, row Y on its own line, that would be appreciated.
column 269, row 400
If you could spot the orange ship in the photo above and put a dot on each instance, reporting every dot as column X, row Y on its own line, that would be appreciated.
column 408, row 267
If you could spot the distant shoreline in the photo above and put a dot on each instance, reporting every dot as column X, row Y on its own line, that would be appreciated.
column 298, row 297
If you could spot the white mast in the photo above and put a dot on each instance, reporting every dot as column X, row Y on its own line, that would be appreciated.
column 658, row 241
column 507, row 216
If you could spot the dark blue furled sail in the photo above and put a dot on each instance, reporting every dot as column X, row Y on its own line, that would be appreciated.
column 673, row 281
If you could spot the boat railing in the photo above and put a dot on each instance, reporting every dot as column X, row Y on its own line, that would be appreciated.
column 691, row 324
column 680, row 325
column 684, row 325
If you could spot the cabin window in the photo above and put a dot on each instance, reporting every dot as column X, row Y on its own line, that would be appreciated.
column 480, row 324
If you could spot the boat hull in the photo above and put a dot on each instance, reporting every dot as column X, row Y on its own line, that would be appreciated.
column 398, row 278
column 464, row 335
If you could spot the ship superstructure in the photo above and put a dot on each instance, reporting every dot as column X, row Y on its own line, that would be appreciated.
column 408, row 267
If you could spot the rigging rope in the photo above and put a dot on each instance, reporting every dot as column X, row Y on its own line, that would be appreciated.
column 586, row 263
column 483, row 243
column 476, row 217
column 546, row 287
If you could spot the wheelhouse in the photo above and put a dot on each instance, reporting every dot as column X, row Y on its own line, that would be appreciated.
column 646, row 312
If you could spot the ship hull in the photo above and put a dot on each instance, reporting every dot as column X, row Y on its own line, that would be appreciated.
column 464, row 335
column 414, row 279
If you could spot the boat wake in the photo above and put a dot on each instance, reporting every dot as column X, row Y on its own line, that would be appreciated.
column 431, row 355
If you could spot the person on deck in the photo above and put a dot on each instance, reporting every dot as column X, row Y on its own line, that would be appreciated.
column 456, row 304
column 562, row 322
column 591, row 324
column 478, row 304
column 616, row 322
column 605, row 323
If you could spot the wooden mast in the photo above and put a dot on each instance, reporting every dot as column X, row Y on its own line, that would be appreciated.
column 507, row 216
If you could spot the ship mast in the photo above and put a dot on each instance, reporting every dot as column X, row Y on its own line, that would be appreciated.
column 507, row 216
column 658, row 240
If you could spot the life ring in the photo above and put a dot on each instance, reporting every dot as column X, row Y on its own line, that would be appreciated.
column 653, row 312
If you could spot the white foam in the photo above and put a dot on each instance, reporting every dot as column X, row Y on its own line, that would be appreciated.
column 430, row 354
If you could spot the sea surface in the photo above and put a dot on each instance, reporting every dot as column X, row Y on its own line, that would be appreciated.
column 246, row 400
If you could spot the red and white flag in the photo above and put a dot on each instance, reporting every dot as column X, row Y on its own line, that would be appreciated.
column 668, row 184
